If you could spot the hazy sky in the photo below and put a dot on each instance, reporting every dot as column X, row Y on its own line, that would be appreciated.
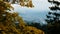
column 39, row 5
column 37, row 13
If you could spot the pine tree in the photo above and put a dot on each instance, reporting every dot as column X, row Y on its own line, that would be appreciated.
column 53, row 17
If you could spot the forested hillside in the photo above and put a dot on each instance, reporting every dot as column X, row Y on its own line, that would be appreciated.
column 12, row 23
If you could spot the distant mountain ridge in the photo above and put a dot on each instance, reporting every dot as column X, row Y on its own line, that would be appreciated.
column 34, row 17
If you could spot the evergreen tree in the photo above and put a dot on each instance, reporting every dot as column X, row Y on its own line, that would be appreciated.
column 53, row 17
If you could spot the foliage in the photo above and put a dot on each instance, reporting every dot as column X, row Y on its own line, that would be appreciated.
column 12, row 23
column 35, row 24
column 53, row 18
column 27, row 3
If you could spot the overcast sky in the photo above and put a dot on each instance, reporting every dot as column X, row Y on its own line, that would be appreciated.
column 38, row 12
column 39, row 5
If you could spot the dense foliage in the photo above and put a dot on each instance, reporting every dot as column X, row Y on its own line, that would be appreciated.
column 27, row 3
column 12, row 23
column 53, row 18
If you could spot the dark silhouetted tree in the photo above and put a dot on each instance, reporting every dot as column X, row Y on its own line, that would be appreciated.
column 53, row 18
